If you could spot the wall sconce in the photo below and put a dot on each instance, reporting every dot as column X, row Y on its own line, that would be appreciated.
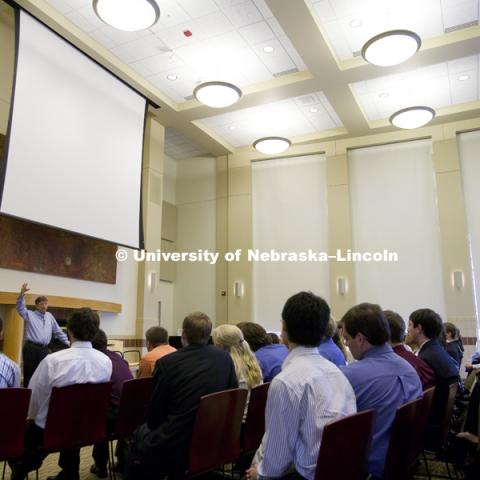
column 342, row 285
column 152, row 276
column 238, row 288
column 458, row 280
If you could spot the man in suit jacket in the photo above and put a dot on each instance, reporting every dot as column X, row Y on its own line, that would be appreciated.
column 424, row 329
column 161, row 445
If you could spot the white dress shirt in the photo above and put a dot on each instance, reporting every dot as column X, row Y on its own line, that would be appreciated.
column 308, row 393
column 78, row 364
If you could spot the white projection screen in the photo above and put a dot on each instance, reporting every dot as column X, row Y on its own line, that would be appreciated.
column 73, row 158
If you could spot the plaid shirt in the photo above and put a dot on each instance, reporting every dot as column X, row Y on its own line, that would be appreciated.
column 9, row 372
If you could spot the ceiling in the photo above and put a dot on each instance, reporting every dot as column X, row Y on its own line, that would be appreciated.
column 296, row 61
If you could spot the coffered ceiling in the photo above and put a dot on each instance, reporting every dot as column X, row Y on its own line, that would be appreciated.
column 296, row 61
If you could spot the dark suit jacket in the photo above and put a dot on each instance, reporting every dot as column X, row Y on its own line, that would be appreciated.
column 180, row 378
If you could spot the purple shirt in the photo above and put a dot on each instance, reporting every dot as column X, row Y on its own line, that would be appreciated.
column 120, row 373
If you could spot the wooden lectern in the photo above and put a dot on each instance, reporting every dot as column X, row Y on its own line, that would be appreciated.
column 13, row 325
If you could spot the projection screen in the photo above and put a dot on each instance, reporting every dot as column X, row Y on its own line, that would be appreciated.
column 73, row 157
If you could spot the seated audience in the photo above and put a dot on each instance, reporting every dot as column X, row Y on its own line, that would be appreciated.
column 328, row 349
column 424, row 329
column 454, row 346
column 381, row 379
column 274, row 338
column 9, row 370
column 308, row 393
column 397, row 338
column 78, row 364
column 340, row 342
column 120, row 373
column 230, row 338
column 157, row 346
column 269, row 356
column 161, row 445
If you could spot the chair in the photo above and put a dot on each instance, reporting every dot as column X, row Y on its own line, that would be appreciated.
column 77, row 415
column 216, row 431
column 136, row 395
column 336, row 462
column 254, row 426
column 403, row 441
column 425, row 410
column 14, row 409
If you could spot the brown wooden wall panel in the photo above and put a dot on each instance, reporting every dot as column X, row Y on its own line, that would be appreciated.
column 36, row 248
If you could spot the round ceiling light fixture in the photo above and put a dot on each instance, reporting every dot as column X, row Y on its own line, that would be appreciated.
column 391, row 48
column 128, row 15
column 412, row 117
column 217, row 94
column 272, row 145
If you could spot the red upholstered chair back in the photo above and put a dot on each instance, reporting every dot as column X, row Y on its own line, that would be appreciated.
column 344, row 447
column 136, row 395
column 402, row 449
column 77, row 416
column 423, row 419
column 13, row 416
column 216, row 431
column 254, row 426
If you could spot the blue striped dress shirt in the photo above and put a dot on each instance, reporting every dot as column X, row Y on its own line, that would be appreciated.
column 39, row 327
column 9, row 373
column 308, row 393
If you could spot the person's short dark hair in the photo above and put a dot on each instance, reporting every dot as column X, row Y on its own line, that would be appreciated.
column 306, row 316
column 255, row 335
column 41, row 298
column 397, row 326
column 82, row 324
column 369, row 320
column 273, row 337
column 156, row 336
column 100, row 341
column 96, row 318
column 452, row 329
column 429, row 320
column 197, row 328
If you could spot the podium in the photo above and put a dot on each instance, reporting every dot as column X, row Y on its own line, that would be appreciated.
column 13, row 323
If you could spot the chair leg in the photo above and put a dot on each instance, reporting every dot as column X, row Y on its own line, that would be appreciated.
column 111, row 461
column 426, row 465
column 4, row 469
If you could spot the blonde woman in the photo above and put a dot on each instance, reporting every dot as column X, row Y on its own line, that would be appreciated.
column 230, row 338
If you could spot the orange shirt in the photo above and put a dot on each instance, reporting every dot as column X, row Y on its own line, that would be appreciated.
column 147, row 363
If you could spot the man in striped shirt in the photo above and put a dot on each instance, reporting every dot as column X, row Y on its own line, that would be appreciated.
column 308, row 393
column 9, row 370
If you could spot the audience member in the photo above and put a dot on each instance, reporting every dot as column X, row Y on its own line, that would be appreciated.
column 161, row 445
column 424, row 329
column 9, row 370
column 157, row 346
column 78, row 364
column 397, row 338
column 40, row 326
column 328, row 349
column 381, row 379
column 340, row 342
column 454, row 346
column 269, row 356
column 274, row 338
column 120, row 373
column 308, row 393
column 230, row 338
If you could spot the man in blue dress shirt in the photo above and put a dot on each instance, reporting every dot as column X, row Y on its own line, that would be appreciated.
column 40, row 326
column 381, row 379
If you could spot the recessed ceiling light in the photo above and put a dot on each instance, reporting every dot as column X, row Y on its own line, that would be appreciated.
column 172, row 77
column 268, row 49
column 412, row 117
column 314, row 110
column 217, row 94
column 391, row 48
column 128, row 15
column 272, row 145
column 355, row 23
column 232, row 127
column 383, row 95
column 464, row 77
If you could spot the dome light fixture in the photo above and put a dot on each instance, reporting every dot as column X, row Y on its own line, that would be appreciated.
column 391, row 48
column 412, row 117
column 272, row 145
column 217, row 94
column 127, row 15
